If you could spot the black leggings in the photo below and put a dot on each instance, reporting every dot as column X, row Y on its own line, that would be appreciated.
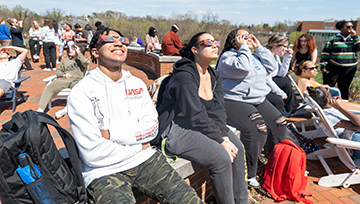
column 253, row 121
column 32, row 44
column 291, row 103
column 50, row 49
column 342, row 75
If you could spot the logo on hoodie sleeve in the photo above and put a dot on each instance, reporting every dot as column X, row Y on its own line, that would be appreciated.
column 99, row 113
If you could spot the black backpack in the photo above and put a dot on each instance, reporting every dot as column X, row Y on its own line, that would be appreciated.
column 27, row 134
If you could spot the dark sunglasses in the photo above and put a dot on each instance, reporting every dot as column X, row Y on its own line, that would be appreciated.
column 209, row 43
column 108, row 38
column 348, row 27
column 311, row 68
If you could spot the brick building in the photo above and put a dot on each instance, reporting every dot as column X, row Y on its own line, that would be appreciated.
column 305, row 26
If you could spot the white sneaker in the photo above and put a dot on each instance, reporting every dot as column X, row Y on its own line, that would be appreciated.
column 54, row 69
column 61, row 113
column 47, row 69
column 57, row 61
column 35, row 57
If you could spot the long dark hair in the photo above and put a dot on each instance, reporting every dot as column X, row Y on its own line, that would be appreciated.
column 318, row 94
column 152, row 31
column 228, row 43
column 185, row 51
column 48, row 22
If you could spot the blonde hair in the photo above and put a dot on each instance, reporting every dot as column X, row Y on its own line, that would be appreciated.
column 33, row 27
column 276, row 40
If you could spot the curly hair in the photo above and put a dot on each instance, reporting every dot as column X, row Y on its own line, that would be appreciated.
column 318, row 94
column 341, row 24
column 311, row 44
column 95, row 38
column 185, row 51
column 276, row 40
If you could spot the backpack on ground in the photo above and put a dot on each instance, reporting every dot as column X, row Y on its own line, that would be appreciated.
column 285, row 173
column 31, row 168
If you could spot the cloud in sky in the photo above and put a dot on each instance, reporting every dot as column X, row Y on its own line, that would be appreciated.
column 236, row 11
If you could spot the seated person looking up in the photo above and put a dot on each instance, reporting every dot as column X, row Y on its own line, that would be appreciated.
column 81, row 36
column 67, row 38
column 69, row 73
column 345, row 123
column 9, row 69
column 171, row 43
column 113, row 121
column 306, row 70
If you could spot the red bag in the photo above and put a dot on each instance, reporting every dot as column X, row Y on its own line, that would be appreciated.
column 284, row 176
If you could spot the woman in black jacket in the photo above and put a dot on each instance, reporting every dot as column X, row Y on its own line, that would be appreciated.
column 192, row 118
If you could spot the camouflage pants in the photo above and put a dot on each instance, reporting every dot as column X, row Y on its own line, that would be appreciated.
column 155, row 178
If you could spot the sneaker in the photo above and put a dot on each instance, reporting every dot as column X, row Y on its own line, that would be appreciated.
column 252, row 182
column 61, row 113
column 35, row 57
column 54, row 69
column 57, row 61
column 47, row 69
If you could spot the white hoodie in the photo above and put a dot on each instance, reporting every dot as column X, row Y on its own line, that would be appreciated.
column 125, row 109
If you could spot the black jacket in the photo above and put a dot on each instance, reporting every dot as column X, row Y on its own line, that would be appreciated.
column 180, row 94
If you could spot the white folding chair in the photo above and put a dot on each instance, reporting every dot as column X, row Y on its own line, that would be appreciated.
column 339, row 149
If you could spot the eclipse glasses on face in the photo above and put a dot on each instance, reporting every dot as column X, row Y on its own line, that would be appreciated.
column 209, row 43
column 110, row 39
column 248, row 36
column 303, row 39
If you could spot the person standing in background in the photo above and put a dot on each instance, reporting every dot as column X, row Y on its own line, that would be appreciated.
column 5, row 35
column 16, row 30
column 48, row 37
column 339, row 57
column 171, row 43
column 34, row 34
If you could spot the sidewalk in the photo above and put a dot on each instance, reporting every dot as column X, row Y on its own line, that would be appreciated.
column 34, row 87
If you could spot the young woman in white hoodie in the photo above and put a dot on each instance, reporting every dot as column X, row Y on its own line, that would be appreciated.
column 113, row 121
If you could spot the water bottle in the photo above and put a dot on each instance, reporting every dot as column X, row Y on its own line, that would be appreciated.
column 28, row 171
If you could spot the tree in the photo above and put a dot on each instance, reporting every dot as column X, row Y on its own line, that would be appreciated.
column 56, row 14
column 293, row 36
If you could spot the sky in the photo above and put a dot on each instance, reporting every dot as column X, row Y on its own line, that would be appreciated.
column 245, row 12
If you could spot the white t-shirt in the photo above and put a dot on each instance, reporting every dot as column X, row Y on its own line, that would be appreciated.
column 334, row 116
column 36, row 32
column 9, row 70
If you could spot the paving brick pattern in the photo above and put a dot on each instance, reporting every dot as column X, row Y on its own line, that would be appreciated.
column 34, row 87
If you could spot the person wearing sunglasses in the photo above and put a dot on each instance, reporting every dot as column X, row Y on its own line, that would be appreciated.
column 192, row 119
column 113, row 120
column 246, row 84
column 304, row 49
column 306, row 70
column 9, row 69
column 277, row 44
column 69, row 73
column 16, row 30
column 339, row 57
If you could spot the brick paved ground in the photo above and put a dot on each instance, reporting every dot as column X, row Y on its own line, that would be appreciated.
column 34, row 87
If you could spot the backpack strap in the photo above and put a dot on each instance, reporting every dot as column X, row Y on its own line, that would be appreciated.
column 70, row 147
column 69, row 143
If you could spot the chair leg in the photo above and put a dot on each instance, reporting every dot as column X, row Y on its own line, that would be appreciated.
column 345, row 179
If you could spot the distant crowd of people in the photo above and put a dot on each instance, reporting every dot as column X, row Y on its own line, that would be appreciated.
column 114, row 120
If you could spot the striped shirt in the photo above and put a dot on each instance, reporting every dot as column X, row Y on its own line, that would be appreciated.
column 341, row 51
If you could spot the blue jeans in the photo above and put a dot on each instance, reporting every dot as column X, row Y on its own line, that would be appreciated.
column 356, row 137
column 334, row 91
